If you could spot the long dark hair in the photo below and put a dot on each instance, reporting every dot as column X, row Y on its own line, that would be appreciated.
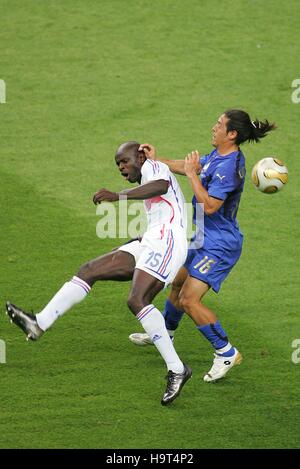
column 247, row 129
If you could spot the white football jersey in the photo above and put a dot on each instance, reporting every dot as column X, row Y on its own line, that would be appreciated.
column 168, row 208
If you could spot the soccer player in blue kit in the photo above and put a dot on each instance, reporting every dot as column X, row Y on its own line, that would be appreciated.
column 212, row 256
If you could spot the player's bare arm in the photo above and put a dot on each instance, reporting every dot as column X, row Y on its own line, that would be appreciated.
column 145, row 191
column 148, row 190
column 176, row 166
column 211, row 204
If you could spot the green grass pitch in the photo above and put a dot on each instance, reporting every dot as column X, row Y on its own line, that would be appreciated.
column 82, row 77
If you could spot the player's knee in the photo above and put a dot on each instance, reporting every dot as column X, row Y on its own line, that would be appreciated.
column 86, row 273
column 135, row 303
column 186, row 302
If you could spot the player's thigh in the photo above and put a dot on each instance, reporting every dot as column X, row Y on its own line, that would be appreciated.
column 179, row 279
column 115, row 265
column 192, row 291
column 177, row 285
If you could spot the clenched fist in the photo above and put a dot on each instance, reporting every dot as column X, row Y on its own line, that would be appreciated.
column 104, row 195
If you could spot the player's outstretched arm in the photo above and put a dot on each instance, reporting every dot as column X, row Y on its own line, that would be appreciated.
column 104, row 195
column 176, row 166
column 211, row 204
column 145, row 191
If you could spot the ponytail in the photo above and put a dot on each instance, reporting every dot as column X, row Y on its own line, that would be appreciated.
column 247, row 130
column 260, row 129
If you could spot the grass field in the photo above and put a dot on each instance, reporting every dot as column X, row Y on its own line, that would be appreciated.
column 82, row 77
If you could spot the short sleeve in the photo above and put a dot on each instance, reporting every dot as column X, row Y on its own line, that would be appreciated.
column 154, row 170
column 223, row 181
column 203, row 160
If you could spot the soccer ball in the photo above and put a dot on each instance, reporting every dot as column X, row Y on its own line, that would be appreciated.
column 269, row 175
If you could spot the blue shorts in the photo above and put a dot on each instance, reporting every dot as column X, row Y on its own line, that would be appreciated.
column 211, row 266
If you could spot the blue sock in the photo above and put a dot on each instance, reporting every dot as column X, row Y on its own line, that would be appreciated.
column 216, row 335
column 172, row 316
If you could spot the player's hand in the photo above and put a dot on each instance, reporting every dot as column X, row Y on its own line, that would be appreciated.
column 191, row 163
column 104, row 195
column 149, row 150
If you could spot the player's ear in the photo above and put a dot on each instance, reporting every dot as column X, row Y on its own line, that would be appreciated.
column 141, row 157
column 232, row 134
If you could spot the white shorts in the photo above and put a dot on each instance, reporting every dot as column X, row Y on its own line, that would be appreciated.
column 161, row 252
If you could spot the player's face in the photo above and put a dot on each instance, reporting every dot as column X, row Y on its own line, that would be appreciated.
column 130, row 167
column 219, row 131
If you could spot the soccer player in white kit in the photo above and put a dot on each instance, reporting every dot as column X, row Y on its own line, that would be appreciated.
column 151, row 263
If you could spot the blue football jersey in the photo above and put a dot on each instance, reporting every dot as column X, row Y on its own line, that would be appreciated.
column 223, row 177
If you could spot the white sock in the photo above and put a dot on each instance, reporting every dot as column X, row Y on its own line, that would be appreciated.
column 154, row 324
column 70, row 293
